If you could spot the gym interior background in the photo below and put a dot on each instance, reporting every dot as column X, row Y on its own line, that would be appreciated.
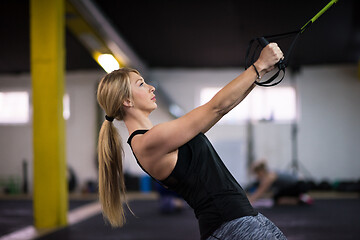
column 308, row 124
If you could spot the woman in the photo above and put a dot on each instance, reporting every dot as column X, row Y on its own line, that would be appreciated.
column 178, row 154
column 286, row 188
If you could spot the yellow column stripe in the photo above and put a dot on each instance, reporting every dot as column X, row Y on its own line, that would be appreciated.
column 47, row 41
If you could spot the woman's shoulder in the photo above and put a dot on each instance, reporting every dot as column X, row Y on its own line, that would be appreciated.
column 136, row 132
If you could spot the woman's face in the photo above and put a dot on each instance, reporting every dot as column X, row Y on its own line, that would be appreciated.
column 142, row 93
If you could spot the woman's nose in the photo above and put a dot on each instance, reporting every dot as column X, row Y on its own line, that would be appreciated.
column 152, row 88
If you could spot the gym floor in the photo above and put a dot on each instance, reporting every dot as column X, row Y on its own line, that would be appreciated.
column 332, row 216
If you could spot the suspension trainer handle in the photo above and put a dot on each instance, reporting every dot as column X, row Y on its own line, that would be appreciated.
column 263, row 43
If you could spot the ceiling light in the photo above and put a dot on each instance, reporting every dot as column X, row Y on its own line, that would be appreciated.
column 108, row 62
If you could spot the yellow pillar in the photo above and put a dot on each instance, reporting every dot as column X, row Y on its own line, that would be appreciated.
column 47, row 41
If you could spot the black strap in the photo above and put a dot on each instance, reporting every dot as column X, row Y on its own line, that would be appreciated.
column 282, row 64
column 129, row 142
column 136, row 132
column 269, row 82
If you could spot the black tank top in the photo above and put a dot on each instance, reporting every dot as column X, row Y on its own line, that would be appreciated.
column 205, row 183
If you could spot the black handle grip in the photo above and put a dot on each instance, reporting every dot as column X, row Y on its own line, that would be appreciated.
column 263, row 42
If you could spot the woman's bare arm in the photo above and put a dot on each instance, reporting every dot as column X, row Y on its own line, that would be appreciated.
column 169, row 136
column 264, row 186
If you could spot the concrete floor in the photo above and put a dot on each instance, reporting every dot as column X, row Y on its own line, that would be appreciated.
column 333, row 216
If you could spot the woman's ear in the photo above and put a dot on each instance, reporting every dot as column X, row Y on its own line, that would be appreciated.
column 128, row 103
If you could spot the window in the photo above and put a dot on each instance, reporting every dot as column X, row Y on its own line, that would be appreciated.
column 14, row 107
column 66, row 106
column 262, row 104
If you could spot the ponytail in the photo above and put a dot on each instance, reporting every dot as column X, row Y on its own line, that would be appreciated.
column 111, row 178
column 113, row 90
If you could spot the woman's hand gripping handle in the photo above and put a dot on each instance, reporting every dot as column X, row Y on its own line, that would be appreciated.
column 270, row 57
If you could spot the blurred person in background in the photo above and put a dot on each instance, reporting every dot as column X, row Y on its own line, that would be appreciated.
column 285, row 188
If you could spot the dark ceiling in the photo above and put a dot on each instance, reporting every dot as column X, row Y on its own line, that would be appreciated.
column 198, row 34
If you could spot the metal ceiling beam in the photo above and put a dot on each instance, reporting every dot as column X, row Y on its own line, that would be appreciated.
column 96, row 33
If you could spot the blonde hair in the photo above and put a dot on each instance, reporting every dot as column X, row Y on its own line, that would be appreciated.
column 112, row 91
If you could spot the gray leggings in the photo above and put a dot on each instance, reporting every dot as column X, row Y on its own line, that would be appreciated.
column 249, row 228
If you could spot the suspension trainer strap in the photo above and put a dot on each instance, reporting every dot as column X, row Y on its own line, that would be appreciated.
column 282, row 64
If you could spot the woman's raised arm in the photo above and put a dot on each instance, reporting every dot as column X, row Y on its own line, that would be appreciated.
column 167, row 137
